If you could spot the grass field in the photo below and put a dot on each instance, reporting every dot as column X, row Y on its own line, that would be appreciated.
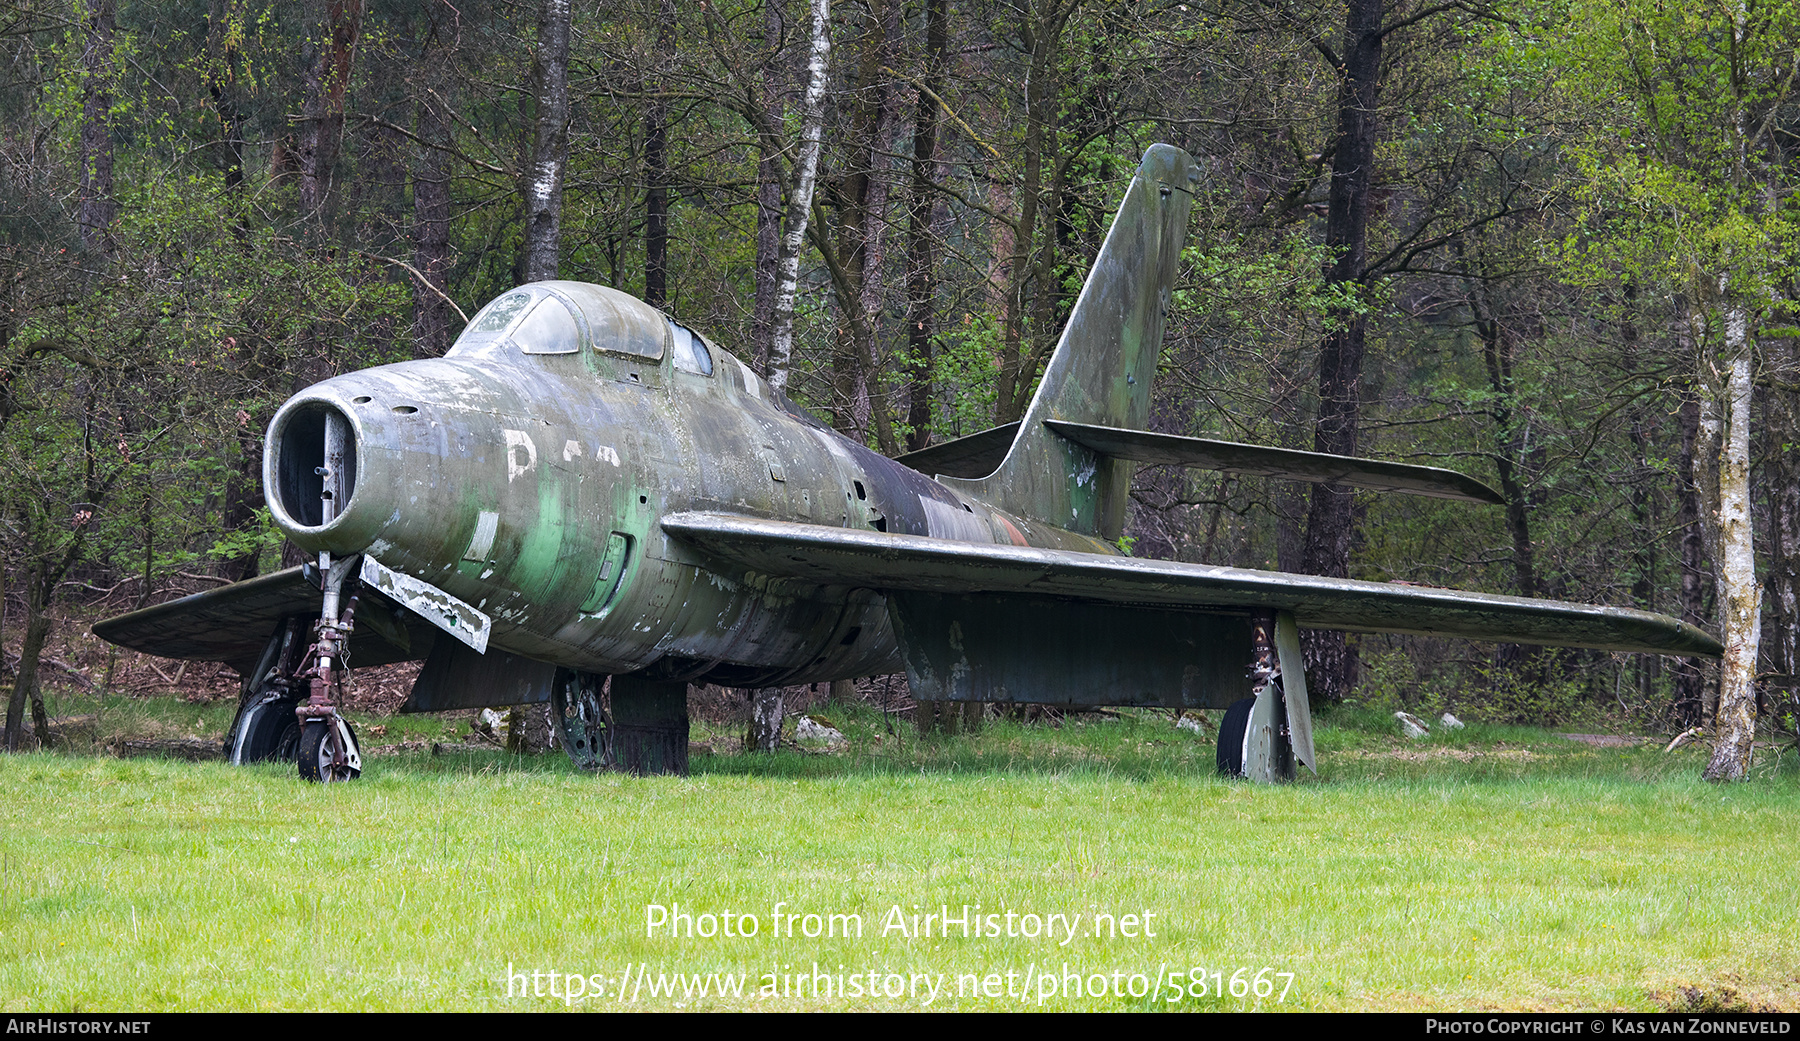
column 1493, row 869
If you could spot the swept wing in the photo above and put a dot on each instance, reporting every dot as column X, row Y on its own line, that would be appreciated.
column 232, row 623
column 851, row 557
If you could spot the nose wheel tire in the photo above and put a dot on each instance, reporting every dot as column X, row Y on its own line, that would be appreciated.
column 329, row 752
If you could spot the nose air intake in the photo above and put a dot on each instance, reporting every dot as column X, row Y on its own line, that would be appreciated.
column 315, row 471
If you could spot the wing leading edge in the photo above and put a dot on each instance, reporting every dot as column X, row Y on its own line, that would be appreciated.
column 850, row 557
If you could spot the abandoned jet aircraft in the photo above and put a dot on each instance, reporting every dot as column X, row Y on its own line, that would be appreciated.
column 583, row 488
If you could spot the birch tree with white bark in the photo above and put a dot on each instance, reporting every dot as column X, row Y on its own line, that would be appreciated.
column 799, row 204
column 1687, row 190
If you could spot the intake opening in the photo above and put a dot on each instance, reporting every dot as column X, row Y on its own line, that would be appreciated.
column 304, row 483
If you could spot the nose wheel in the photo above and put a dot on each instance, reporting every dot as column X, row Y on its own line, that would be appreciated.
column 329, row 752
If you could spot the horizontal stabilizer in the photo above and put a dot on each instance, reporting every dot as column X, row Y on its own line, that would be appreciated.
column 1259, row 461
column 873, row 560
column 976, row 455
column 980, row 454
column 232, row 623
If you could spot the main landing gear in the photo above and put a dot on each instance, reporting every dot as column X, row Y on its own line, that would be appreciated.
column 583, row 724
column 1262, row 736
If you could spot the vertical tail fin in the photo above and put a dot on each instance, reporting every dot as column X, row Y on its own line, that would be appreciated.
column 1101, row 370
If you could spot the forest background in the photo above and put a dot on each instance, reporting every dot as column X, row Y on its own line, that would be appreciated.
column 1547, row 242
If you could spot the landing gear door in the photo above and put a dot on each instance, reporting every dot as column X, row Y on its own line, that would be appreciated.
column 1293, row 685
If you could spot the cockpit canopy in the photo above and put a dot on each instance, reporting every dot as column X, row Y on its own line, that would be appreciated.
column 562, row 318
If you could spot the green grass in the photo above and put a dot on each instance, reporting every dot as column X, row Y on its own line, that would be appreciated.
column 1495, row 868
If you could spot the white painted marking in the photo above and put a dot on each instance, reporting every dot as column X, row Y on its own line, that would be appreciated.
column 485, row 525
column 606, row 452
column 571, row 450
column 515, row 440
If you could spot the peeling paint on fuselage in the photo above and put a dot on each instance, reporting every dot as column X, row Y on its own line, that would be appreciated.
column 442, row 442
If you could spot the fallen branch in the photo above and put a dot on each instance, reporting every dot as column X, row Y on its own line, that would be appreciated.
column 1686, row 736
column 12, row 662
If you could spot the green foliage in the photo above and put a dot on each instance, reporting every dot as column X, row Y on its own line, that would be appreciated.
column 966, row 374
column 1240, row 286
column 1682, row 183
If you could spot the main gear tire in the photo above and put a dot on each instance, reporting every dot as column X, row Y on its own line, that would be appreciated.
column 1230, row 758
column 583, row 725
column 266, row 730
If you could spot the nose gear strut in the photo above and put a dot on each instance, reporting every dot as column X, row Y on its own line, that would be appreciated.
column 328, row 750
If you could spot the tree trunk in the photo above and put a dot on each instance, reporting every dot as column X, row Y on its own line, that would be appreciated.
column 1329, row 522
column 862, row 238
column 1499, row 350
column 327, row 83
column 1690, row 678
column 244, row 496
column 1735, row 726
column 1023, row 345
column 806, row 168
column 766, row 713
column 25, row 681
column 656, row 173
column 550, row 144
column 1781, row 625
column 97, row 208
column 222, row 73
column 433, row 318
column 923, row 210
column 1497, row 353
column 768, row 187
column 1709, row 442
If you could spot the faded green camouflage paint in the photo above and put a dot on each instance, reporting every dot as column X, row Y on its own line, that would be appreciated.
column 569, row 450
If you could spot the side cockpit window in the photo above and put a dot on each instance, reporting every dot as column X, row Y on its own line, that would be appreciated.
column 495, row 317
column 691, row 353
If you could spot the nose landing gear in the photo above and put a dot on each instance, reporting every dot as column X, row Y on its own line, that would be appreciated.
column 327, row 747
column 288, row 709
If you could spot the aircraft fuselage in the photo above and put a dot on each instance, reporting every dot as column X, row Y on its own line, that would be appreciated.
column 529, row 485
